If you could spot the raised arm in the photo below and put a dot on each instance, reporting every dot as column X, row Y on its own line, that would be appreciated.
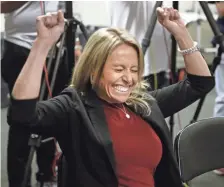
column 199, row 80
column 49, row 29
column 194, row 62
column 24, row 108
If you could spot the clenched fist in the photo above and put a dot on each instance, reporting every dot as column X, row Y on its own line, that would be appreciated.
column 171, row 20
column 50, row 27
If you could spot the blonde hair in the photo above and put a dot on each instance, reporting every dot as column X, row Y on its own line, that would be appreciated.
column 99, row 46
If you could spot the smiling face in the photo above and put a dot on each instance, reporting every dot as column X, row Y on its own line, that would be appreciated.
column 119, row 76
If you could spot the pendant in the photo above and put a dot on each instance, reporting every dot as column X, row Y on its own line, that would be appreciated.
column 127, row 116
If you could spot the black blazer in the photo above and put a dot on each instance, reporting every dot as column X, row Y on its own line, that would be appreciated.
column 78, row 122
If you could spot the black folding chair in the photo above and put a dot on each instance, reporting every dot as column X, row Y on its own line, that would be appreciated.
column 199, row 148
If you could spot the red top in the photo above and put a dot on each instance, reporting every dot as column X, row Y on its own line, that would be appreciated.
column 137, row 148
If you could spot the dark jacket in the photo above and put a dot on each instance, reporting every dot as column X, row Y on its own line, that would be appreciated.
column 78, row 122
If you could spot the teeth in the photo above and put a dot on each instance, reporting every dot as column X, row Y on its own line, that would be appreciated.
column 121, row 88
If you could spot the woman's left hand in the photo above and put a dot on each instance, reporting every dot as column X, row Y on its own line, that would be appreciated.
column 171, row 20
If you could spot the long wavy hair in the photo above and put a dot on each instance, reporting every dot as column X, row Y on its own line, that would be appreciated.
column 94, row 56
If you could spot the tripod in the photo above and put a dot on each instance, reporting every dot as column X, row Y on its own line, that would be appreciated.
column 147, row 38
column 36, row 140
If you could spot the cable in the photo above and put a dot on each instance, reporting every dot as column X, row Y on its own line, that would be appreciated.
column 47, row 80
column 42, row 6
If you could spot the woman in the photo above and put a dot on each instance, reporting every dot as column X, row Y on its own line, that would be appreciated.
column 111, row 130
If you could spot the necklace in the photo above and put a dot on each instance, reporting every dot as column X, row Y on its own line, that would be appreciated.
column 123, row 110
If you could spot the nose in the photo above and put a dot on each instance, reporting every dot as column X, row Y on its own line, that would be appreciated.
column 127, row 78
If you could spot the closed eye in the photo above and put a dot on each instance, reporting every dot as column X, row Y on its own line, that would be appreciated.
column 134, row 71
column 118, row 70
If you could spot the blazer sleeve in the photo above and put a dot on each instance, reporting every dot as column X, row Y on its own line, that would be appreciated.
column 178, row 96
column 42, row 117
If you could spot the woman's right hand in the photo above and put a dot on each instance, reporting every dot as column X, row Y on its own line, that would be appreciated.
column 50, row 27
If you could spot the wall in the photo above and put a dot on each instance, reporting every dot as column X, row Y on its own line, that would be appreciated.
column 92, row 12
column 96, row 12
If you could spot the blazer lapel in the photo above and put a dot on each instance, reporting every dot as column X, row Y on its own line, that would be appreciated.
column 95, row 110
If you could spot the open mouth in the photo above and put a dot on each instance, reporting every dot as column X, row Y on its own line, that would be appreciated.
column 122, row 89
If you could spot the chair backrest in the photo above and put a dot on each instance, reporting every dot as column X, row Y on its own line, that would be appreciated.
column 200, row 147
